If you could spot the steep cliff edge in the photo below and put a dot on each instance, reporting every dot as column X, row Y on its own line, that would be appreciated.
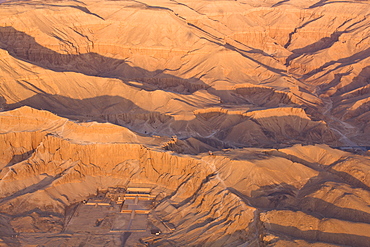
column 234, row 114
column 211, row 200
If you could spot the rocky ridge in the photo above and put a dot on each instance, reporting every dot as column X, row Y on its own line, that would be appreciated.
column 235, row 110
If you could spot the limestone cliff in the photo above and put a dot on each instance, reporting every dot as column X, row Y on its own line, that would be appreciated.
column 237, row 114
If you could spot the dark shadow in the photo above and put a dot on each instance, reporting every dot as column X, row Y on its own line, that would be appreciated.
column 329, row 210
column 99, row 108
column 269, row 197
column 325, row 43
column 215, row 130
column 202, row 224
column 246, row 53
column 263, row 96
column 355, row 58
column 113, row 109
column 321, row 44
column 20, row 157
column 121, row 111
column 240, row 131
column 292, row 129
column 2, row 103
column 333, row 83
column 325, row 2
column 287, row 197
column 290, row 36
column 69, row 212
column 33, row 188
column 41, row 213
column 192, row 198
column 318, row 4
column 124, row 238
column 280, row 3
column 339, row 175
column 320, row 236
column 361, row 80
column 255, row 95
column 81, row 8
column 7, row 233
column 22, row 46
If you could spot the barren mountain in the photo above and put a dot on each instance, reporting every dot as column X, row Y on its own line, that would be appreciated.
column 225, row 123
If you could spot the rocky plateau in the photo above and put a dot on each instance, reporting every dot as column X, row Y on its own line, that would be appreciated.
column 250, row 120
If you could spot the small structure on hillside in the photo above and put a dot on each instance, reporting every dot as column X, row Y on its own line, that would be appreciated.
column 113, row 210
column 116, row 194
column 134, row 200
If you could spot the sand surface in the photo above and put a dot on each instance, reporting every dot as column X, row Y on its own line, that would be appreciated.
column 248, row 120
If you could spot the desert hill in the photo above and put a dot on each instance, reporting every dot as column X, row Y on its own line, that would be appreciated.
column 249, row 121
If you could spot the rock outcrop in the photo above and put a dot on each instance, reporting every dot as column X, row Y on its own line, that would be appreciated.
column 237, row 113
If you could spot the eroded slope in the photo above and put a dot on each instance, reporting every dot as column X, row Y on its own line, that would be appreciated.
column 97, row 94
column 229, row 198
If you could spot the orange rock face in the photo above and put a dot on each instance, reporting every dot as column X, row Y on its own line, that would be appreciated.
column 249, row 121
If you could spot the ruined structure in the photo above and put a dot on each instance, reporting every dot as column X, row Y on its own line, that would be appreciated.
column 184, row 123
